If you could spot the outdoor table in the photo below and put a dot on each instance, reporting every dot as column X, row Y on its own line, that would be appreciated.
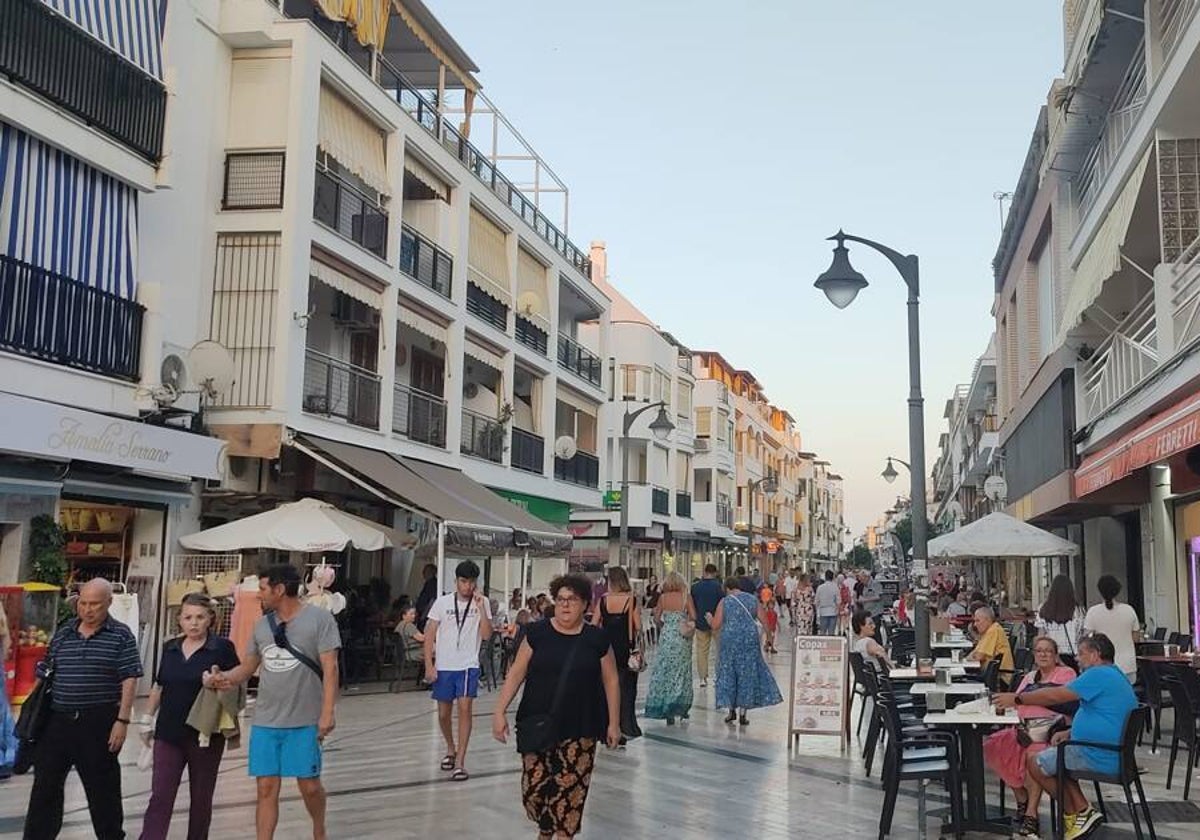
column 911, row 675
column 952, row 644
column 947, row 662
column 965, row 689
column 969, row 728
column 1193, row 661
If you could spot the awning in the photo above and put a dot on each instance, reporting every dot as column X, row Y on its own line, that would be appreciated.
column 482, row 354
column 427, row 177
column 345, row 284
column 1170, row 432
column 353, row 140
column 1103, row 257
column 478, row 521
column 487, row 257
column 468, row 81
column 531, row 289
column 425, row 326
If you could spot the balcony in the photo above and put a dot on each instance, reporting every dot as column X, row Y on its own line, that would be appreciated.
column 350, row 212
column 336, row 388
column 1122, row 360
column 683, row 505
column 52, row 317
column 1118, row 122
column 482, row 437
column 532, row 336
column 486, row 308
column 684, row 363
column 660, row 501
column 528, row 451
column 578, row 359
column 425, row 262
column 43, row 51
column 419, row 416
column 1173, row 17
column 583, row 469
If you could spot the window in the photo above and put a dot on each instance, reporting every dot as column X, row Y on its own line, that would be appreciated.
column 683, row 478
column 662, row 388
column 683, row 401
column 1046, row 297
column 703, row 422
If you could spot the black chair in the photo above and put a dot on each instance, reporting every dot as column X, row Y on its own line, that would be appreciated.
column 489, row 650
column 922, row 757
column 1127, row 776
column 989, row 675
column 1184, row 730
column 1023, row 660
column 1155, row 699
column 1160, row 634
column 860, row 687
column 904, row 645
column 1182, row 639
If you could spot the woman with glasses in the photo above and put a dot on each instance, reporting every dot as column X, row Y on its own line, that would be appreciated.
column 570, row 675
column 621, row 620
column 670, row 692
column 1005, row 751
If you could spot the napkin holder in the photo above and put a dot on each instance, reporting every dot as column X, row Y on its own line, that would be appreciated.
column 942, row 676
column 935, row 701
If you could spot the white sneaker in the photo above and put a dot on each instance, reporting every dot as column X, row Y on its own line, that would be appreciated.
column 704, row 683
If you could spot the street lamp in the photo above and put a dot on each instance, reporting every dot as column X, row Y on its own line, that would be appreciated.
column 889, row 472
column 661, row 427
column 769, row 486
column 841, row 283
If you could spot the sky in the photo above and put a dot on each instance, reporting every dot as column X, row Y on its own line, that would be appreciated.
column 715, row 147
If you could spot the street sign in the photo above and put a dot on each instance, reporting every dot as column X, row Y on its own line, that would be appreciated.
column 612, row 499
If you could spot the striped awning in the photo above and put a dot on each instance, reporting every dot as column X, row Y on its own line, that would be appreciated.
column 131, row 28
column 60, row 214
column 427, row 177
column 356, row 142
column 345, row 284
column 485, row 356
column 424, row 325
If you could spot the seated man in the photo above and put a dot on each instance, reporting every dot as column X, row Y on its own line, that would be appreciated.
column 993, row 642
column 1105, row 700
column 957, row 608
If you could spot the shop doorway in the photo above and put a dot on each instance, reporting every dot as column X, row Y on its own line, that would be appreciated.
column 1134, row 587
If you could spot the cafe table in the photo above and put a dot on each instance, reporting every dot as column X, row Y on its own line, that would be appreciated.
column 911, row 675
column 1182, row 659
column 970, row 729
column 963, row 689
column 952, row 644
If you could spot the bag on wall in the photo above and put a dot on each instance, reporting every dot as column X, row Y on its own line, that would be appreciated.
column 176, row 589
column 221, row 584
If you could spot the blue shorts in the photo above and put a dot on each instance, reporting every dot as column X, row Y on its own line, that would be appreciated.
column 451, row 685
column 293, row 752
column 1077, row 760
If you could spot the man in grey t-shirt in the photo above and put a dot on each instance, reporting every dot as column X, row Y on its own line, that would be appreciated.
column 294, row 712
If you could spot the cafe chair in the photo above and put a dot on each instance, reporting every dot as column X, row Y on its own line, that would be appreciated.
column 1183, row 640
column 860, row 687
column 1152, row 680
column 403, row 662
column 1160, row 634
column 1184, row 684
column 1127, row 776
column 922, row 757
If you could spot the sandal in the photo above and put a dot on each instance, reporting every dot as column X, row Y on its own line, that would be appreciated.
column 448, row 762
column 459, row 775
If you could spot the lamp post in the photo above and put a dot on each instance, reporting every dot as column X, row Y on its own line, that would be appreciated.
column 841, row 284
column 889, row 472
column 662, row 427
column 769, row 486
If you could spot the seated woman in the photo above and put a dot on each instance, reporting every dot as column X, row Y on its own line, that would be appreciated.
column 863, row 626
column 1003, row 751
column 412, row 639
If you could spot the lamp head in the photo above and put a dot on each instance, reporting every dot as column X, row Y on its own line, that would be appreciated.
column 840, row 282
column 889, row 472
column 662, row 426
column 769, row 485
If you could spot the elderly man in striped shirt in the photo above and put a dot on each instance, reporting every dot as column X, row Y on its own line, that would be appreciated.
column 96, row 666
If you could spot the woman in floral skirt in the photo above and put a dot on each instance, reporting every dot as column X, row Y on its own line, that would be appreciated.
column 670, row 693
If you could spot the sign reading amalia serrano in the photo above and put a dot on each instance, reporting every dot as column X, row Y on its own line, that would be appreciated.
column 1175, row 430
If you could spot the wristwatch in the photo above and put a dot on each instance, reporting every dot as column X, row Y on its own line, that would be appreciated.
column 123, row 720
column 1017, row 700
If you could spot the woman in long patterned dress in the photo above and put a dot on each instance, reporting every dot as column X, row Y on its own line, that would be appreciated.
column 743, row 679
column 670, row 692
column 805, row 607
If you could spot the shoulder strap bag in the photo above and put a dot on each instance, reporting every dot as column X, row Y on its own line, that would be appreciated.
column 637, row 659
column 757, row 624
column 281, row 639
column 687, row 627
column 538, row 733
column 35, row 711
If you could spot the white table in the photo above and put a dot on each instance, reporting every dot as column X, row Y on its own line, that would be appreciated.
column 970, row 736
column 952, row 644
column 947, row 662
column 967, row 689
column 911, row 673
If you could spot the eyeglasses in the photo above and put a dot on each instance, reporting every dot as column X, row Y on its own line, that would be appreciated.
column 566, row 602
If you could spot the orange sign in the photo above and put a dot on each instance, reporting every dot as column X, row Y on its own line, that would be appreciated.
column 772, row 546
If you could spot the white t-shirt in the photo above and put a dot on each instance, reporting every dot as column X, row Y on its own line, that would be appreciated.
column 1066, row 636
column 457, row 645
column 789, row 586
column 827, row 599
column 1119, row 625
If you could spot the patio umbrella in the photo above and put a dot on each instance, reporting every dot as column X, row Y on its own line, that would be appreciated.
column 1000, row 535
column 307, row 525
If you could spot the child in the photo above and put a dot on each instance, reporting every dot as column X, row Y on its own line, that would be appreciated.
column 772, row 616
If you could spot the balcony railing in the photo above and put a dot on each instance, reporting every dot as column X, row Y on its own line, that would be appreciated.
column 660, row 501
column 43, row 51
column 53, row 317
column 482, row 437
column 1185, row 296
column 418, row 416
column 725, row 514
column 683, row 505
column 528, row 451
column 336, row 388
column 1122, row 114
column 425, row 262
column 486, row 308
column 1122, row 360
column 684, row 363
column 578, row 359
column 1173, row 18
column 583, row 469
column 339, row 205
column 532, row 336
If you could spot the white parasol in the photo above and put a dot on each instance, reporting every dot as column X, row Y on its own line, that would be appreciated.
column 307, row 525
column 1000, row 535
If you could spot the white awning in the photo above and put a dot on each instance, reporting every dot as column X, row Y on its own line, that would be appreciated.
column 353, row 140
column 427, row 177
column 1103, row 257
column 345, row 284
column 487, row 257
column 532, row 300
column 482, row 354
column 425, row 326
column 569, row 397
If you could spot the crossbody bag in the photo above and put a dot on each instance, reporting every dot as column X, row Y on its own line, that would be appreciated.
column 637, row 659
column 287, row 645
column 539, row 732
column 757, row 624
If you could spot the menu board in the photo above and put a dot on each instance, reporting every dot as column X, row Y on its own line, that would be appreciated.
column 819, row 703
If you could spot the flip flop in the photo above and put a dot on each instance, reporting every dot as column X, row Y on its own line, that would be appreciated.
column 448, row 762
column 459, row 775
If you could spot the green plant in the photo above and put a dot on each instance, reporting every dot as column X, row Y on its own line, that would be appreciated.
column 47, row 552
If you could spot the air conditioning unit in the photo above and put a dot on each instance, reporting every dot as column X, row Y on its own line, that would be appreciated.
column 354, row 314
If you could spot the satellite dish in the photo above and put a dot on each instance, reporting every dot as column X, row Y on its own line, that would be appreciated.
column 565, row 448
column 172, row 378
column 996, row 488
column 470, row 390
column 529, row 303
column 212, row 368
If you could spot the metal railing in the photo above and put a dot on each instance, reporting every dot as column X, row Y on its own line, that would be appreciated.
column 418, row 416
column 45, row 52
column 1173, row 18
column 425, row 262
column 482, row 437
column 684, row 363
column 532, row 336
column 486, row 308
column 528, row 451
column 660, row 501
column 253, row 180
column 583, row 469
column 53, row 317
column 336, row 388
column 1122, row 114
column 339, row 205
column 1185, row 295
column 1122, row 360
column 683, row 504
column 725, row 514
column 578, row 359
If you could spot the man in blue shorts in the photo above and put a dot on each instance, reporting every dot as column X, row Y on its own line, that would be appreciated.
column 1105, row 700
column 297, row 646
column 458, row 622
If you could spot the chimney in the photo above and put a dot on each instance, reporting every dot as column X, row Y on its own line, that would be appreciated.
column 599, row 262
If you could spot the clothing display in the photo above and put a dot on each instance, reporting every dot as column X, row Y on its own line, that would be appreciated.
column 247, row 610
column 124, row 608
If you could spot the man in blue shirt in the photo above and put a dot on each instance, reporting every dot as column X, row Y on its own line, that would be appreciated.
column 706, row 594
column 1105, row 700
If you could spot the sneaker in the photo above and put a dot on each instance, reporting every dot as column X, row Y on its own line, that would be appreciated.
column 1028, row 827
column 1083, row 824
column 704, row 683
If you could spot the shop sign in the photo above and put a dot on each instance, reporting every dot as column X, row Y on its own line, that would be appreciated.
column 772, row 546
column 588, row 530
column 547, row 510
column 1155, row 441
column 55, row 431
column 612, row 499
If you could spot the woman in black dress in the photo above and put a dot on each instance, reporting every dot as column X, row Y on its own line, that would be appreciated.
column 554, row 781
column 620, row 619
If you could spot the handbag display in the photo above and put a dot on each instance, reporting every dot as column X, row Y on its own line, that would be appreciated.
column 221, row 584
column 177, row 589
column 538, row 733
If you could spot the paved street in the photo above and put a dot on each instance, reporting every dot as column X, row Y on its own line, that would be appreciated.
column 700, row 780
